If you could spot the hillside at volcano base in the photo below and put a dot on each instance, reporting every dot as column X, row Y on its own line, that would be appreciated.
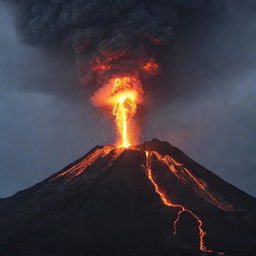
column 149, row 199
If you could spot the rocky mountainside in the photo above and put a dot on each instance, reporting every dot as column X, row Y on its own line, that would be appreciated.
column 151, row 199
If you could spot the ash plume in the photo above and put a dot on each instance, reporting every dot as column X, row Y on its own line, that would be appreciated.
column 106, row 36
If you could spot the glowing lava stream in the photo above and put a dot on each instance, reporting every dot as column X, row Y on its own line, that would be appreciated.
column 80, row 167
column 182, row 209
column 186, row 177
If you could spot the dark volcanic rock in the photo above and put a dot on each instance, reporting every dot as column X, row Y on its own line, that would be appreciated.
column 110, row 207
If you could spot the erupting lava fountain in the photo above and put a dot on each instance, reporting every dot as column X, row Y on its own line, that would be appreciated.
column 121, row 96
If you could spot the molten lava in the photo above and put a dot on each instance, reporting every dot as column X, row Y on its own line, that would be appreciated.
column 167, row 202
column 196, row 184
column 99, row 153
column 124, row 108
column 121, row 95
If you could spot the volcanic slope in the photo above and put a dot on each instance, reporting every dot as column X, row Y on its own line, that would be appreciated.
column 151, row 199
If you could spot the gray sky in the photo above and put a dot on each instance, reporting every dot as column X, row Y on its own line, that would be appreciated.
column 42, row 130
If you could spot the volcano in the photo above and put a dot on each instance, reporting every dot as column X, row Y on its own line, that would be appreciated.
column 149, row 199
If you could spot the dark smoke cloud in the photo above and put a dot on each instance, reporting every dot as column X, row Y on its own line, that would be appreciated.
column 121, row 35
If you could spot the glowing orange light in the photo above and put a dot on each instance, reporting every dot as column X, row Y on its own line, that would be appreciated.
column 124, row 108
column 151, row 66
column 198, row 185
column 122, row 95
column 167, row 202
column 100, row 68
column 80, row 167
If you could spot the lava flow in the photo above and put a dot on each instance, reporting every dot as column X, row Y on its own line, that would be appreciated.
column 186, row 177
column 167, row 202
column 99, row 153
column 121, row 95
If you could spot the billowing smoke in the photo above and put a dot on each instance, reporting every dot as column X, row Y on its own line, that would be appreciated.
column 107, row 36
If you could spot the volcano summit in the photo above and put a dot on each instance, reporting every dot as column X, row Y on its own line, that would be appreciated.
column 150, row 199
